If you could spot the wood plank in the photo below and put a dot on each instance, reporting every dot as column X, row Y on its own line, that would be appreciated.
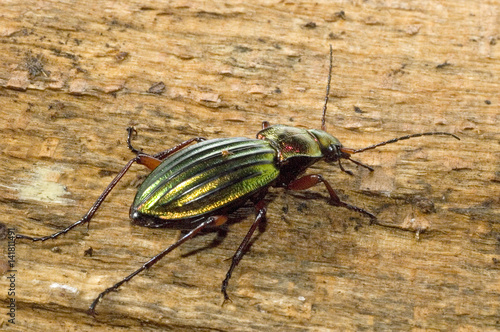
column 74, row 76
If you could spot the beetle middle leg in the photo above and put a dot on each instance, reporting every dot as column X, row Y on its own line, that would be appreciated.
column 309, row 181
column 209, row 222
column 261, row 210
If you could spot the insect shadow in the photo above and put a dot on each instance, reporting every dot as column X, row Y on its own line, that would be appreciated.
column 223, row 230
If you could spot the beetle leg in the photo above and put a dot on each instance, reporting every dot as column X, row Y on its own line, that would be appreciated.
column 160, row 155
column 260, row 209
column 211, row 221
column 149, row 161
column 164, row 154
column 131, row 130
column 361, row 164
column 265, row 124
column 343, row 169
column 308, row 181
column 88, row 216
column 153, row 161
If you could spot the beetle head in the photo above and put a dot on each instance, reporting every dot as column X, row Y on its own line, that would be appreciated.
column 331, row 148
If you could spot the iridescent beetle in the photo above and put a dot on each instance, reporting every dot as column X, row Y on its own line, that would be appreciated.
column 193, row 187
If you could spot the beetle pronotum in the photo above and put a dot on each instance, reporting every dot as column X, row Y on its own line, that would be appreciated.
column 195, row 186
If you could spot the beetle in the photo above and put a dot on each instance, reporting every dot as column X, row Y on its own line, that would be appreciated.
column 196, row 186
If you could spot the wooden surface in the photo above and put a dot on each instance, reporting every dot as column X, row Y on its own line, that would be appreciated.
column 74, row 75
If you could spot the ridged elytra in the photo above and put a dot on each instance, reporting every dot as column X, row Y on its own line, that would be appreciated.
column 195, row 186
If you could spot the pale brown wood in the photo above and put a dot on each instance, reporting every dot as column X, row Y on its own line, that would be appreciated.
column 74, row 75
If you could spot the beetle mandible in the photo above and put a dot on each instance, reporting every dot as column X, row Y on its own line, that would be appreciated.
column 196, row 186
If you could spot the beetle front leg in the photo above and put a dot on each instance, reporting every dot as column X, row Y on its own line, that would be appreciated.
column 309, row 181
column 261, row 210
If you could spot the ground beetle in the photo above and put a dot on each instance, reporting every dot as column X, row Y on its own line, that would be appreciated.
column 193, row 187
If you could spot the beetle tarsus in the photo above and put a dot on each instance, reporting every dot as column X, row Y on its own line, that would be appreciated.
column 91, row 310
column 309, row 181
column 261, row 210
column 361, row 164
column 373, row 220
column 85, row 219
column 343, row 169
column 130, row 131
column 226, row 300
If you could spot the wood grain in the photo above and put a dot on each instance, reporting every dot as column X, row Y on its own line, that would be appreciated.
column 74, row 75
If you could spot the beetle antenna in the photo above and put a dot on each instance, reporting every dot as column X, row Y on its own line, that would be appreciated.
column 403, row 138
column 323, row 119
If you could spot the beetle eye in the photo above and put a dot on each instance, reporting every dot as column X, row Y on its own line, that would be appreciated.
column 332, row 153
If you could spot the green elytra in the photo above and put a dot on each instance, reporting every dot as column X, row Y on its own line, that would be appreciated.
column 197, row 186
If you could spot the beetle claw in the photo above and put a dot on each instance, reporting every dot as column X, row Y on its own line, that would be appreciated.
column 226, row 300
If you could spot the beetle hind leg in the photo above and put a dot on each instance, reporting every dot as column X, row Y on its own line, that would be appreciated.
column 261, row 210
column 209, row 222
column 160, row 155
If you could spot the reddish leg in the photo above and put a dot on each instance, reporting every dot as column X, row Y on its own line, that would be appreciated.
column 209, row 222
column 164, row 154
column 151, row 163
column 308, row 181
column 260, row 209
column 88, row 216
